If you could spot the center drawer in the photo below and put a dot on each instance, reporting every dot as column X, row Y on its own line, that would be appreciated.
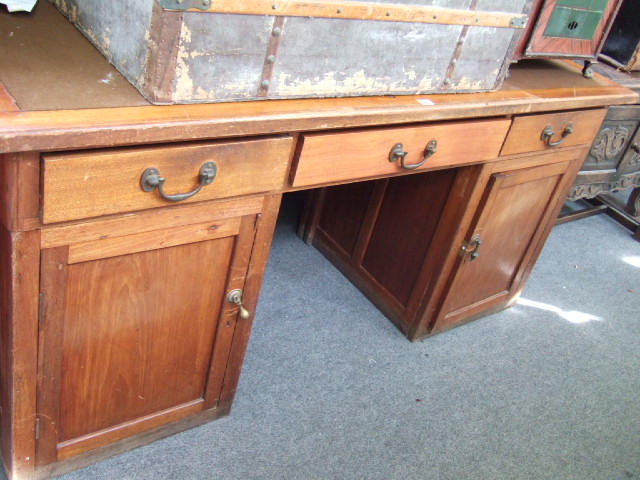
column 325, row 158
column 90, row 184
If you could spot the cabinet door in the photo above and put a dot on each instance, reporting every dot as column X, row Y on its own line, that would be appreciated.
column 509, row 224
column 136, row 331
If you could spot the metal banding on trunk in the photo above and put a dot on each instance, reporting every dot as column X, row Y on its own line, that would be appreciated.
column 351, row 10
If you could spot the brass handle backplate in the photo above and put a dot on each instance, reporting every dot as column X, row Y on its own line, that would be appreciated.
column 548, row 133
column 474, row 246
column 398, row 153
column 151, row 179
column 235, row 297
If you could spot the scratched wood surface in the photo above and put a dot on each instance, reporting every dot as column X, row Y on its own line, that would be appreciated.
column 78, row 78
column 117, row 29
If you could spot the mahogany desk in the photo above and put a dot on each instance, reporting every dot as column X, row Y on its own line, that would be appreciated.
column 125, row 316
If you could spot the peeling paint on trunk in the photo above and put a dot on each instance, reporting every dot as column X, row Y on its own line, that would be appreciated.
column 183, row 82
column 224, row 57
column 358, row 83
column 322, row 57
column 220, row 57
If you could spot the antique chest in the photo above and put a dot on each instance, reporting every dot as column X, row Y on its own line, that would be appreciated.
column 192, row 51
column 574, row 29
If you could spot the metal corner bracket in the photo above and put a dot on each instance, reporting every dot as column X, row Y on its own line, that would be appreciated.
column 185, row 4
column 519, row 22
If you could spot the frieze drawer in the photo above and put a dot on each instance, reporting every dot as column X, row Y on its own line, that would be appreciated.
column 533, row 133
column 358, row 154
column 91, row 184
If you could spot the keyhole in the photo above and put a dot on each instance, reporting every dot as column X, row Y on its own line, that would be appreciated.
column 572, row 25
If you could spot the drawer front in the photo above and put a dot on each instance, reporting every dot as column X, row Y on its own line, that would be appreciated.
column 565, row 129
column 337, row 157
column 83, row 185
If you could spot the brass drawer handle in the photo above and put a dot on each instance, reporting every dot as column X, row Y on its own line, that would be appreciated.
column 548, row 132
column 151, row 179
column 397, row 152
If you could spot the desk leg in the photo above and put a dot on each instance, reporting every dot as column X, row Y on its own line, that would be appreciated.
column 633, row 204
column 19, row 277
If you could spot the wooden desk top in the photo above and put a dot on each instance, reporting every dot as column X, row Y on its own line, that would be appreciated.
column 58, row 93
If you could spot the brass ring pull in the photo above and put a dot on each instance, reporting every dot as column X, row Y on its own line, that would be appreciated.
column 151, row 179
column 397, row 152
column 476, row 242
column 548, row 132
column 473, row 245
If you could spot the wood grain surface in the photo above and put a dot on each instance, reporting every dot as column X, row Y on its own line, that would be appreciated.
column 19, row 273
column 7, row 103
column 81, row 185
column 128, row 224
column 153, row 240
column 392, row 12
column 512, row 217
column 334, row 157
column 168, row 334
column 525, row 133
column 127, row 126
column 135, row 331
column 142, row 357
column 20, row 181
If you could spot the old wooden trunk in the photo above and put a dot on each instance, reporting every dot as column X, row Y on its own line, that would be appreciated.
column 191, row 51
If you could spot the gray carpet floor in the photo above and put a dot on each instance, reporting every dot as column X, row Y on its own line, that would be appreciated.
column 549, row 389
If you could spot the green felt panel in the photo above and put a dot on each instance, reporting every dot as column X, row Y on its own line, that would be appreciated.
column 572, row 23
column 591, row 5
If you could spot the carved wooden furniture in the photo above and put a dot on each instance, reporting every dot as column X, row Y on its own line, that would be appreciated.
column 613, row 162
column 134, row 237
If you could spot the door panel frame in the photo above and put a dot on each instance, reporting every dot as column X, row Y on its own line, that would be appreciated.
column 433, row 310
column 53, row 278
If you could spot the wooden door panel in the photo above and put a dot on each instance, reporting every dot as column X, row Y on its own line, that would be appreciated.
column 505, row 235
column 135, row 341
column 510, row 219
column 120, row 325
column 412, row 205
column 343, row 212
